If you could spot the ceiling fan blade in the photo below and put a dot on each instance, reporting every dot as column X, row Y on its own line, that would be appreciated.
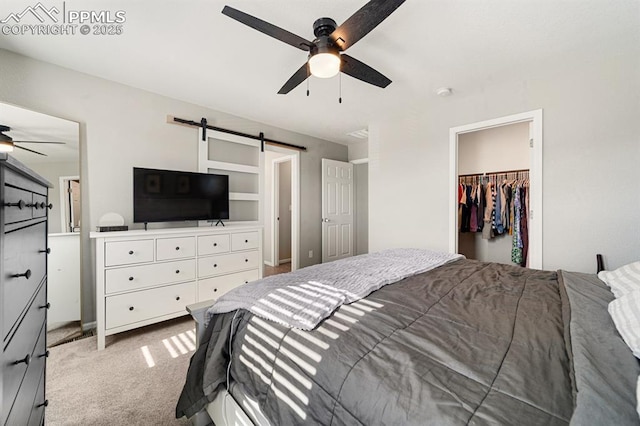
column 57, row 143
column 363, row 21
column 298, row 77
column 30, row 150
column 362, row 71
column 267, row 28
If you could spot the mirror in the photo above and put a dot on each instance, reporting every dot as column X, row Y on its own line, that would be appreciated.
column 57, row 159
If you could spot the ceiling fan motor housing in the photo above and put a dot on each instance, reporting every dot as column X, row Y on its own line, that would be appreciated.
column 322, row 28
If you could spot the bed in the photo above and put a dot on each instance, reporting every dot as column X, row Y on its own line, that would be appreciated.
column 463, row 343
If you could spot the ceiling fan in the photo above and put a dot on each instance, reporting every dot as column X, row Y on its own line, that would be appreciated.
column 326, row 57
column 7, row 144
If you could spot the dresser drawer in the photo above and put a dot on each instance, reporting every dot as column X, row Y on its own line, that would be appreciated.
column 37, row 410
column 128, row 252
column 213, row 244
column 244, row 241
column 227, row 263
column 214, row 287
column 135, row 277
column 175, row 248
column 142, row 305
column 22, row 254
column 25, row 399
column 24, row 343
column 39, row 205
column 22, row 210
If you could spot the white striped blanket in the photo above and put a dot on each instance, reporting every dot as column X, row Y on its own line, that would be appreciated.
column 303, row 298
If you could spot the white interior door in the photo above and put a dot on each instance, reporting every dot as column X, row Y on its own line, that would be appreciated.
column 337, row 210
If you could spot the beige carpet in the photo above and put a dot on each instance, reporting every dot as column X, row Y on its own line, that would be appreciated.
column 117, row 386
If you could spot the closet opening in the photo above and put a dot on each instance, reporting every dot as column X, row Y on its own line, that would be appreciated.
column 496, row 175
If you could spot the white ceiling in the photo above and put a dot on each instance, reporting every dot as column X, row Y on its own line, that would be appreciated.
column 29, row 125
column 190, row 51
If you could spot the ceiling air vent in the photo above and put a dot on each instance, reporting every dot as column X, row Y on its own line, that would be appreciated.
column 359, row 134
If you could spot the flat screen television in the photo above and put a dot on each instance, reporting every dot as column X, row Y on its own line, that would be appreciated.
column 171, row 195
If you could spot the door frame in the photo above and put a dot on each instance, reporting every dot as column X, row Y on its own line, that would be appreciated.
column 275, row 207
column 293, row 156
column 535, row 178
column 64, row 200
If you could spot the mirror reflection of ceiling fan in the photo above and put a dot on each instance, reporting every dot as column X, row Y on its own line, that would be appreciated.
column 7, row 144
column 326, row 57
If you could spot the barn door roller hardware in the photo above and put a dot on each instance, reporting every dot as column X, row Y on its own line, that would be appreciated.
column 204, row 126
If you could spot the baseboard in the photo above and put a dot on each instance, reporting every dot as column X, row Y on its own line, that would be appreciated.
column 266, row 262
column 285, row 261
column 89, row 326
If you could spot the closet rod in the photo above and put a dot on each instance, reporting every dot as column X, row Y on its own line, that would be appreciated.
column 171, row 119
column 504, row 172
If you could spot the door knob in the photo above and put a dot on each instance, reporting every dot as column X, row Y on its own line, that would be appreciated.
column 325, row 220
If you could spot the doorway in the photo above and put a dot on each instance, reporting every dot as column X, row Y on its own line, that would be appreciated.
column 463, row 140
column 281, row 210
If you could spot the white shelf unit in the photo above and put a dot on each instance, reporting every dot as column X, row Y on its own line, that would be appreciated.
column 242, row 160
column 144, row 277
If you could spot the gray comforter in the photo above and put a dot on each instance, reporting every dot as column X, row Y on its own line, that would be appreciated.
column 466, row 343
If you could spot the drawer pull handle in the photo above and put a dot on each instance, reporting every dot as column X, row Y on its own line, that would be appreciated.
column 49, row 206
column 246, row 260
column 246, row 282
column 44, row 404
column 130, row 278
column 37, row 205
column 47, row 250
column 47, row 306
column 131, row 308
column 215, row 244
column 178, row 298
column 177, row 271
column 26, row 274
column 26, row 360
column 130, row 251
column 215, row 265
column 46, row 355
column 246, row 241
column 177, row 248
column 215, row 289
column 20, row 204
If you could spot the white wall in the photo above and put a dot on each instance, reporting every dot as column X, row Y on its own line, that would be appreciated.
column 358, row 150
column 591, row 152
column 491, row 150
column 52, row 172
column 361, row 174
column 122, row 127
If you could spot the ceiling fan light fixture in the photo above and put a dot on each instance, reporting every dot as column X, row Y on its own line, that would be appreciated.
column 6, row 146
column 324, row 65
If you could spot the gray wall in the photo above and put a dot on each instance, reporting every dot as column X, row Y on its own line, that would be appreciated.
column 361, row 173
column 591, row 152
column 122, row 127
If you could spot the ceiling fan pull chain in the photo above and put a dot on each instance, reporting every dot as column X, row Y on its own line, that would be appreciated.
column 340, row 84
column 307, row 86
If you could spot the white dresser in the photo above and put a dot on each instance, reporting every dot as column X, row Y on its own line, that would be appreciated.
column 144, row 277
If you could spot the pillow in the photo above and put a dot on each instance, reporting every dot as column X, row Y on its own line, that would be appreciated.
column 623, row 280
column 625, row 312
